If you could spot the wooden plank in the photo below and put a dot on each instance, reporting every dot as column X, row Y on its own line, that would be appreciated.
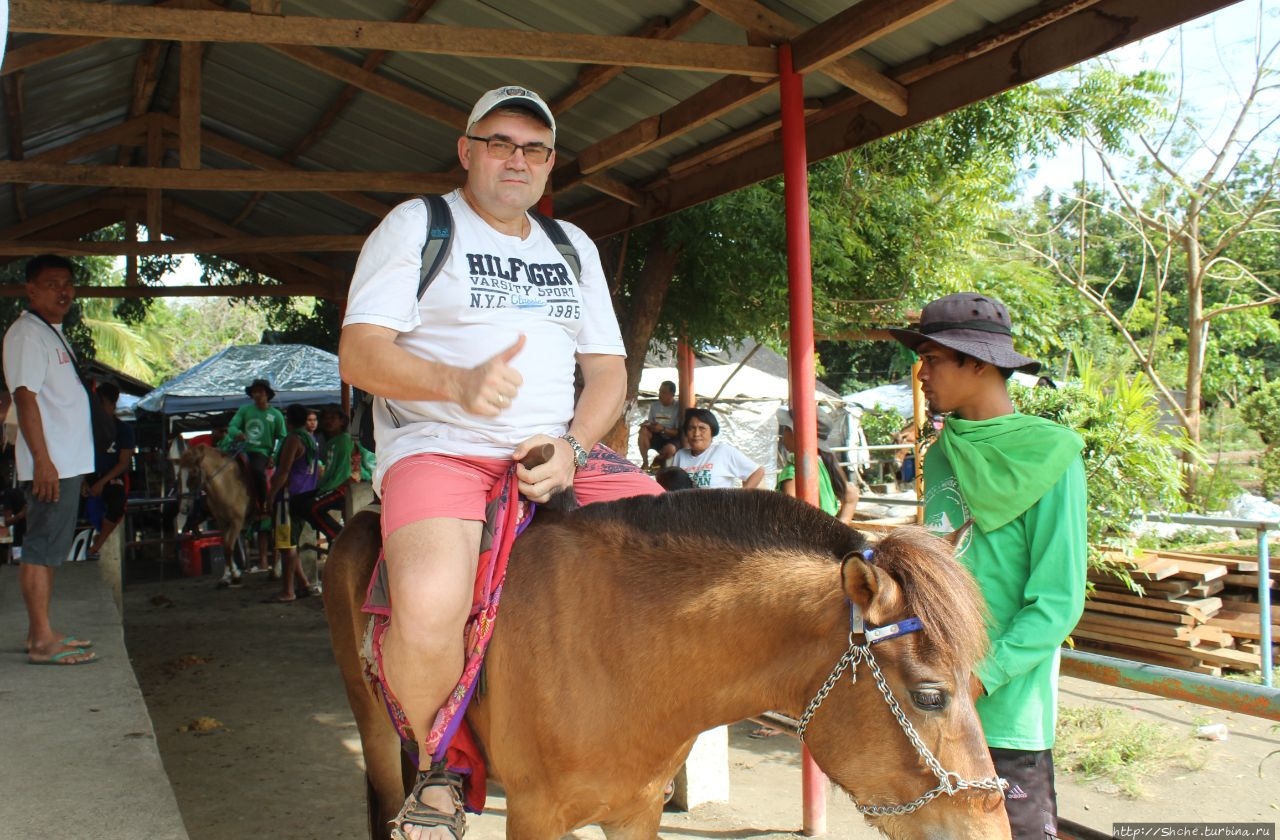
column 1242, row 625
column 1139, row 612
column 28, row 55
column 593, row 78
column 1249, row 607
column 370, row 82
column 1150, row 588
column 189, row 105
column 1194, row 570
column 854, row 28
column 1149, row 627
column 773, row 28
column 65, row 17
column 1200, row 608
column 1145, row 566
column 225, row 180
column 253, row 157
column 1236, row 562
column 1190, row 642
column 1183, row 662
column 1252, row 581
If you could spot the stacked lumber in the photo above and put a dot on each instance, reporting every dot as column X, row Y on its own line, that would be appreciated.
column 1197, row 612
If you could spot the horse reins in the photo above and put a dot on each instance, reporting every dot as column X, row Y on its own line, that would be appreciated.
column 948, row 783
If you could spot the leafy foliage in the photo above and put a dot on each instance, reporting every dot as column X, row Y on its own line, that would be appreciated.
column 1260, row 411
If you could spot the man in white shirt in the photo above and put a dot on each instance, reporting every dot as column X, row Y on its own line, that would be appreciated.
column 54, row 450
column 475, row 375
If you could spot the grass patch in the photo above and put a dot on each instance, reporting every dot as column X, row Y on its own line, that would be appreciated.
column 1107, row 746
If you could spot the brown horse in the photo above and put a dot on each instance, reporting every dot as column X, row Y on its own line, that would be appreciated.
column 629, row 627
column 228, row 495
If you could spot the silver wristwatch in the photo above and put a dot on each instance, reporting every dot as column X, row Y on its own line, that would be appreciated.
column 579, row 454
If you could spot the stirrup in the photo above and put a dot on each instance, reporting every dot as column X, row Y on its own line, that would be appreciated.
column 417, row 813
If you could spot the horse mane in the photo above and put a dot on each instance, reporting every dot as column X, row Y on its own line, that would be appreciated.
column 938, row 590
column 750, row 520
column 935, row 587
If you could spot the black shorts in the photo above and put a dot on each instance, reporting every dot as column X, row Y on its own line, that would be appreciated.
column 658, row 441
column 1031, row 800
column 113, row 502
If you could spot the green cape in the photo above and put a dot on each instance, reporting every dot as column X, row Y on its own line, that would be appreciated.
column 1015, row 459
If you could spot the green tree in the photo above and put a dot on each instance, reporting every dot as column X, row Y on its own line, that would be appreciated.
column 1176, row 249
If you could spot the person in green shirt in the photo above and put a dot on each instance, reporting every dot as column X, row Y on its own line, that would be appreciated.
column 836, row 494
column 258, row 429
column 1020, row 480
column 336, row 455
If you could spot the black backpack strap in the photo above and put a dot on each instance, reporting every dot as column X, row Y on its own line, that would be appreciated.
column 439, row 238
column 561, row 240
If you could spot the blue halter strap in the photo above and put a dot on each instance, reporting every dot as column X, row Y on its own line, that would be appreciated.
column 858, row 624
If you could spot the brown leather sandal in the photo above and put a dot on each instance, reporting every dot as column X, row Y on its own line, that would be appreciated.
column 419, row 814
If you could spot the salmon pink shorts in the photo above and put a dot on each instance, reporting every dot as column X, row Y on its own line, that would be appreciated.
column 429, row 486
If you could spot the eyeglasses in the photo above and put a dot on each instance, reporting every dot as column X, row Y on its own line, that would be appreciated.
column 503, row 149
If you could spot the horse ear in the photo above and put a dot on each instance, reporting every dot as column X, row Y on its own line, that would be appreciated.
column 865, row 584
column 958, row 534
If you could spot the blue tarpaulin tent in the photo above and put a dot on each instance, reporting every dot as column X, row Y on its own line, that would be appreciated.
column 298, row 373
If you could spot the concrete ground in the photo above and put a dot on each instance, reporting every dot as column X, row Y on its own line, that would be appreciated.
column 77, row 750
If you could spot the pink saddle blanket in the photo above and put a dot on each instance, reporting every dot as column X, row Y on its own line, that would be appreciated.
column 451, row 739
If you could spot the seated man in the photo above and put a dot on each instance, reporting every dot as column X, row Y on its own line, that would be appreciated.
column 661, row 430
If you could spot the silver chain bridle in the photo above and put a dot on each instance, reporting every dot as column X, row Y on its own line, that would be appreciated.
column 948, row 783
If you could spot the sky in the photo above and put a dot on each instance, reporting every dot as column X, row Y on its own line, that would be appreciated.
column 1212, row 58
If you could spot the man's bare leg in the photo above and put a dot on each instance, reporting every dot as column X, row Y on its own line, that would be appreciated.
column 431, row 568
column 36, row 583
column 643, row 440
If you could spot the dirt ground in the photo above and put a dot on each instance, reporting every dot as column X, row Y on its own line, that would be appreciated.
column 254, row 729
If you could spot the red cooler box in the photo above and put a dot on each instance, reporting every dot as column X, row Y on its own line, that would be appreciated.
column 201, row 554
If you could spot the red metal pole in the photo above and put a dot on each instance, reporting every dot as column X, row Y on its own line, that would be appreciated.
column 801, row 352
column 684, row 373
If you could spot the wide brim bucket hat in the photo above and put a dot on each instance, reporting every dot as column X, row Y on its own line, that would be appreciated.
column 261, row 383
column 972, row 324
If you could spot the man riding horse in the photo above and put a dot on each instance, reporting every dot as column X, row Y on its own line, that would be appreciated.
column 452, row 423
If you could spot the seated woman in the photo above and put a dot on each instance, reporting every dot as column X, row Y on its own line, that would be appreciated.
column 836, row 494
column 712, row 464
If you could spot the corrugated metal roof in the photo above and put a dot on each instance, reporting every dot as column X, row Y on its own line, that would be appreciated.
column 255, row 100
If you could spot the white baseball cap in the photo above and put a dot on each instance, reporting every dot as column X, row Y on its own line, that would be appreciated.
column 512, row 95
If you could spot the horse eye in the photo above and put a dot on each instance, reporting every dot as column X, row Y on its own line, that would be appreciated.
column 929, row 699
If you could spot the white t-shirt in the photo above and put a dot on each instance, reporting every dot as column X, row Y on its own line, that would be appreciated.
column 491, row 288
column 36, row 359
column 719, row 465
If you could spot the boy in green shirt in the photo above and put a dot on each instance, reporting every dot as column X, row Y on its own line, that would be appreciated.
column 258, row 428
column 1020, row 480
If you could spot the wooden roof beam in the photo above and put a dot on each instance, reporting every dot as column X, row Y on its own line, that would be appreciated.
column 705, row 105
column 12, row 90
column 370, row 82
column 65, row 17
column 262, row 160
column 224, row 180
column 29, row 55
column 593, row 78
column 851, row 72
column 854, row 28
column 372, row 61
column 212, row 245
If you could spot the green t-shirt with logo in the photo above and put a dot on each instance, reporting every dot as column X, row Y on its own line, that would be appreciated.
column 263, row 428
column 827, row 500
column 1021, row 479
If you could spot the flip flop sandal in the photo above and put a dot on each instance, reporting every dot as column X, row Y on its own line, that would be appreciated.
column 419, row 814
column 67, row 641
column 58, row 658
